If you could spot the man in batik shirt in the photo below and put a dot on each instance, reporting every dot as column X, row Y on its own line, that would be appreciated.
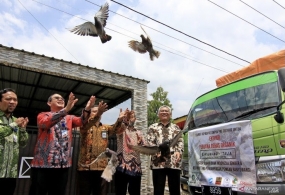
column 13, row 135
column 53, row 152
column 170, row 165
column 94, row 141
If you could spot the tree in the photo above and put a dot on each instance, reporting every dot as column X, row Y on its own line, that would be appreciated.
column 159, row 98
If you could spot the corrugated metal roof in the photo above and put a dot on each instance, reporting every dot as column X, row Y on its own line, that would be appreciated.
column 33, row 89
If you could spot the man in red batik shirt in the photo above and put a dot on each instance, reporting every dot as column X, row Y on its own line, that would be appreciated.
column 53, row 152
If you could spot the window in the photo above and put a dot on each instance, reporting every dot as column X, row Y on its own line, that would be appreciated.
column 229, row 106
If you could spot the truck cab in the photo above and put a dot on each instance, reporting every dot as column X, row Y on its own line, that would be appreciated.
column 258, row 98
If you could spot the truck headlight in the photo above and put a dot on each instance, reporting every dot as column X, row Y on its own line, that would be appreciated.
column 271, row 171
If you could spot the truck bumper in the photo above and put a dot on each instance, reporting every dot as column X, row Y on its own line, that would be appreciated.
column 262, row 189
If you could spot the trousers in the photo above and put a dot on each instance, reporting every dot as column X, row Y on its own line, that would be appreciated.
column 91, row 182
column 51, row 181
column 159, row 179
column 124, row 182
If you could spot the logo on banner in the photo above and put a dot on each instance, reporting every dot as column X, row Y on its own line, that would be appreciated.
column 196, row 176
column 193, row 177
column 235, row 180
column 227, row 181
column 218, row 181
column 210, row 180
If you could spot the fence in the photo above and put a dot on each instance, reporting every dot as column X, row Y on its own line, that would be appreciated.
column 26, row 154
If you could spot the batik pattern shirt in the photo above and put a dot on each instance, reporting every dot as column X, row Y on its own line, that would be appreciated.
column 129, row 160
column 53, row 146
column 94, row 141
column 157, row 134
column 12, row 138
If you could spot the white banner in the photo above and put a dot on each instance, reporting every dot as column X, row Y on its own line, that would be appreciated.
column 223, row 155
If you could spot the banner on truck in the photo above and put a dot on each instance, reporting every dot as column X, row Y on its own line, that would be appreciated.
column 223, row 155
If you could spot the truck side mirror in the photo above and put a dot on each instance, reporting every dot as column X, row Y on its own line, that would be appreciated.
column 281, row 76
column 279, row 117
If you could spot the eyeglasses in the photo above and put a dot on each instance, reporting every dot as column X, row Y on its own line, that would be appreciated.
column 58, row 98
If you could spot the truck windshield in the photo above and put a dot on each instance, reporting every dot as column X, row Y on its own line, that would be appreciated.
column 249, row 103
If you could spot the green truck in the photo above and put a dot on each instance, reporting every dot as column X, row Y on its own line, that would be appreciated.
column 258, row 98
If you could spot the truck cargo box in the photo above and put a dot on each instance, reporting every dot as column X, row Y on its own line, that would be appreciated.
column 273, row 61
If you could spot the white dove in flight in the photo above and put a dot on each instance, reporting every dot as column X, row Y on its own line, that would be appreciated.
column 96, row 29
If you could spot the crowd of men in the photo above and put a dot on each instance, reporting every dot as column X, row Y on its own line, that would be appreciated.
column 52, row 152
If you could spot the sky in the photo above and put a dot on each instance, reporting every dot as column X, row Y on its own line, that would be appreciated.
column 199, row 40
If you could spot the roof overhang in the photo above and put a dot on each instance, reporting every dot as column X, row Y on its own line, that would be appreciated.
column 35, row 85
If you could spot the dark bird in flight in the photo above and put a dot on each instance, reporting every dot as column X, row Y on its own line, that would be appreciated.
column 144, row 46
column 163, row 148
column 96, row 29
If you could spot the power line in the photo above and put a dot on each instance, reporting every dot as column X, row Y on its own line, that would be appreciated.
column 134, row 38
column 245, row 21
column 48, row 31
column 179, row 31
column 195, row 61
column 167, row 35
column 279, row 4
column 262, row 14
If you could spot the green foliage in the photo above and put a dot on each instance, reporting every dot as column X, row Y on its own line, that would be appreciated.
column 159, row 98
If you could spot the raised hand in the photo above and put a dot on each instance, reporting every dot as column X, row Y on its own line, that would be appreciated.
column 123, row 114
column 90, row 103
column 71, row 101
column 102, row 107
